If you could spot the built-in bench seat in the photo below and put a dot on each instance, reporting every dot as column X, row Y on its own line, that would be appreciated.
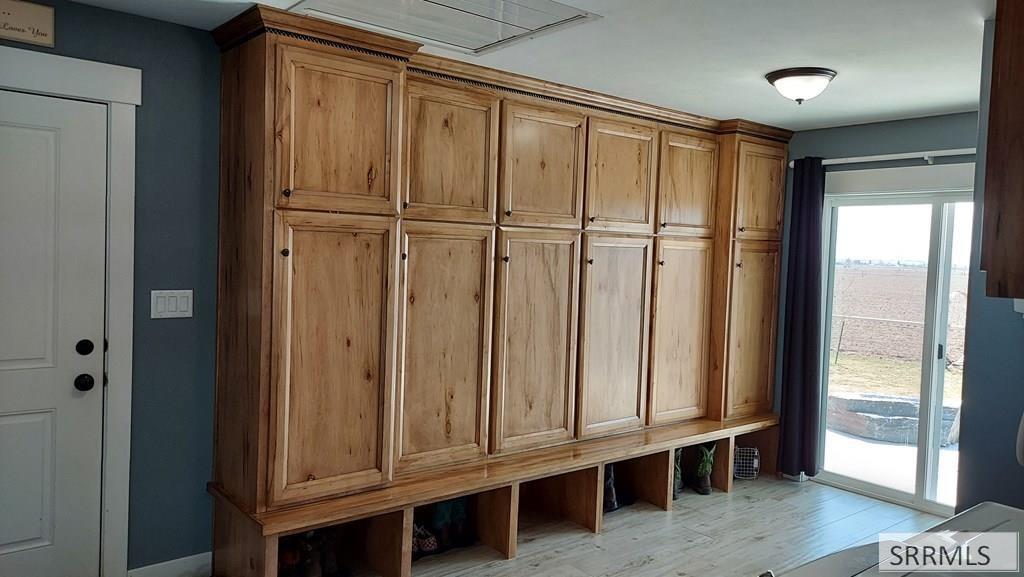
column 566, row 480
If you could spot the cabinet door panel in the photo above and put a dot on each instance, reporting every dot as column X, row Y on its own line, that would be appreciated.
column 679, row 336
column 759, row 192
column 444, row 366
column 453, row 154
column 542, row 179
column 613, row 327
column 753, row 319
column 336, row 125
column 332, row 365
column 688, row 183
column 535, row 336
column 620, row 177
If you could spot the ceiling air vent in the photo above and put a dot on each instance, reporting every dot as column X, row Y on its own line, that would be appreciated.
column 473, row 26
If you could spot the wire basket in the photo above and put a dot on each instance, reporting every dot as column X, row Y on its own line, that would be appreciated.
column 747, row 463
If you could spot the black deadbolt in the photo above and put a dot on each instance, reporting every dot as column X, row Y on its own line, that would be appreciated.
column 84, row 382
column 84, row 347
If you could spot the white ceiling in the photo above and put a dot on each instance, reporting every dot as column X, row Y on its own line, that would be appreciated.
column 896, row 58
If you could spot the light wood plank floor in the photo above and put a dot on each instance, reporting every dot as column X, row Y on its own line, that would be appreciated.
column 763, row 524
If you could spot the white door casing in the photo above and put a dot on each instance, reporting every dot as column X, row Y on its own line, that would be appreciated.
column 53, row 158
column 119, row 88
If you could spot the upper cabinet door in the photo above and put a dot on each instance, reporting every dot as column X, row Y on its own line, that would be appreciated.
column 542, row 176
column 445, row 343
column 613, row 332
column 621, row 164
column 332, row 364
column 687, row 184
column 679, row 335
column 335, row 132
column 752, row 325
column 452, row 154
column 759, row 190
column 535, row 338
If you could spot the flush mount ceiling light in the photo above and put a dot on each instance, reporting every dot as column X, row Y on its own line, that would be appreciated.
column 800, row 84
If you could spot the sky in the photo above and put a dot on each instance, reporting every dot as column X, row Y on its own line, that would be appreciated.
column 898, row 233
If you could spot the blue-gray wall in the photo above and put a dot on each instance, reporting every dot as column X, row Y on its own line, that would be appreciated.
column 993, row 395
column 175, row 247
column 993, row 370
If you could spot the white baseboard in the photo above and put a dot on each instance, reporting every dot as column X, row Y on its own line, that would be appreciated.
column 194, row 566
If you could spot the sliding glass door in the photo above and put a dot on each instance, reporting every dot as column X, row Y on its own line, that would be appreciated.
column 896, row 288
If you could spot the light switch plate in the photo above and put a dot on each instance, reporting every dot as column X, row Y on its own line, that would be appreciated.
column 170, row 304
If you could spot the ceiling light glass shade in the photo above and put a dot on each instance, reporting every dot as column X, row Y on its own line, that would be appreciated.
column 801, row 84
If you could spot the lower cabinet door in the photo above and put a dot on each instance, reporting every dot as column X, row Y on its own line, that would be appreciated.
column 444, row 343
column 680, row 331
column 613, row 331
column 535, row 338
column 332, row 366
column 752, row 323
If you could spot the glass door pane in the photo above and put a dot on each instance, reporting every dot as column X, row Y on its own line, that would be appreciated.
column 879, row 294
column 953, row 353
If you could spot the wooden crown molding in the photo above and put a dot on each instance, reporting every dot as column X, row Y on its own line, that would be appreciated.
column 544, row 88
column 740, row 126
column 261, row 19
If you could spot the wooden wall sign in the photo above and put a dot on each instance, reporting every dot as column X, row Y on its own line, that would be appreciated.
column 26, row 22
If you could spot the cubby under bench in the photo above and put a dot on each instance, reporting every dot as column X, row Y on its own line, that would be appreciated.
column 564, row 481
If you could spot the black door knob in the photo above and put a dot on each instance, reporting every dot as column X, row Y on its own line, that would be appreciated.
column 84, row 347
column 84, row 382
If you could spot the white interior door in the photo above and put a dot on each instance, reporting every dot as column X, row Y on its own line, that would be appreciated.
column 53, row 157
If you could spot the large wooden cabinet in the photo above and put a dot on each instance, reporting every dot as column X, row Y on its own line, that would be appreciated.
column 433, row 272
column 759, row 190
column 332, row 356
column 688, row 183
column 615, row 311
column 752, row 319
column 444, row 343
column 336, row 131
column 680, row 330
column 452, row 152
column 745, row 283
column 535, row 338
column 621, row 165
column 543, row 165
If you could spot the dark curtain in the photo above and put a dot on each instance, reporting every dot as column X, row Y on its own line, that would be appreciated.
column 801, row 358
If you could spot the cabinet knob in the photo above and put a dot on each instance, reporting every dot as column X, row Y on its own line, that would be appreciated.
column 742, row 229
column 405, row 204
column 285, row 252
column 664, row 225
column 592, row 219
column 590, row 261
column 739, row 265
column 405, row 256
column 506, row 258
column 661, row 263
column 508, row 213
column 286, row 192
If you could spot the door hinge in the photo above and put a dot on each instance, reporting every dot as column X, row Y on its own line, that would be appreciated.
column 942, row 352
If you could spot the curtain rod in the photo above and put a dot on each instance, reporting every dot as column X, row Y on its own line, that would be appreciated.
column 927, row 155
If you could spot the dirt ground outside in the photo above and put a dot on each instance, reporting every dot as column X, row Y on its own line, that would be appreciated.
column 878, row 330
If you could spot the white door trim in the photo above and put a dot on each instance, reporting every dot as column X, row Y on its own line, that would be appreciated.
column 938, row 185
column 120, row 88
